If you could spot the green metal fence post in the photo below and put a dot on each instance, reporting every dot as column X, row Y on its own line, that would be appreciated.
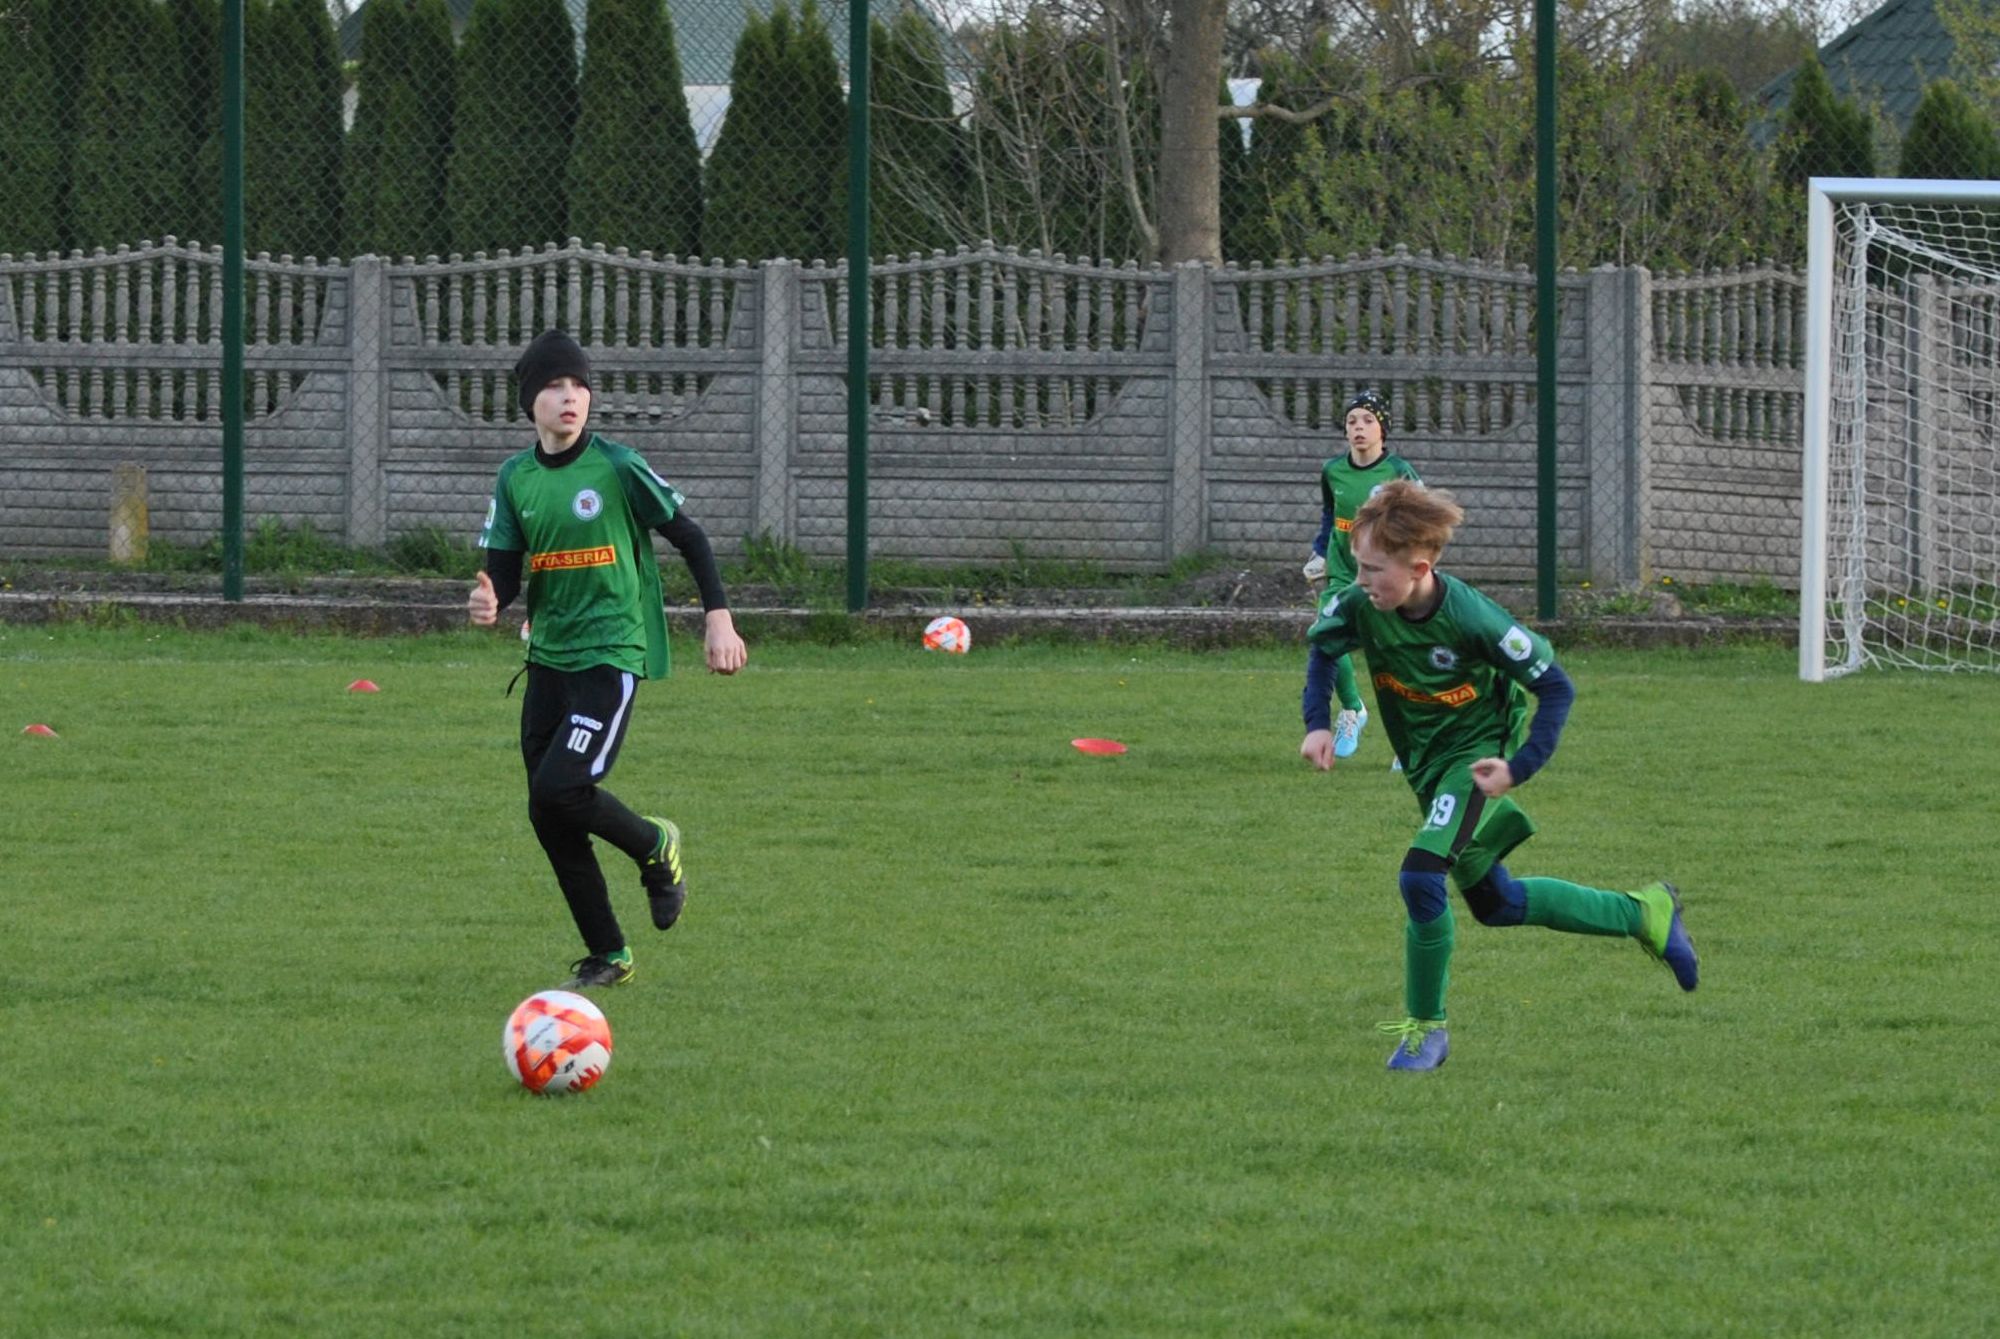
column 232, row 299
column 858, row 322
column 1545, row 308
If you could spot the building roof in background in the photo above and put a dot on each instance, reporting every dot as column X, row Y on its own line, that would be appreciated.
column 1886, row 60
column 704, row 30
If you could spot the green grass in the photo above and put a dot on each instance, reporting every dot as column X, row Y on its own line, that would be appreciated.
column 967, row 1034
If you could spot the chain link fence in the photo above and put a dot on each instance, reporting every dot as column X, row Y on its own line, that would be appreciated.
column 431, row 182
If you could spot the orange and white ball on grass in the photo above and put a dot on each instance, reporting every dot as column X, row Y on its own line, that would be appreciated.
column 948, row 634
column 556, row 1041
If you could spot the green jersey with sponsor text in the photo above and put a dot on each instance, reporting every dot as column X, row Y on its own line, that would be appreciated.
column 588, row 568
column 1451, row 688
column 1343, row 487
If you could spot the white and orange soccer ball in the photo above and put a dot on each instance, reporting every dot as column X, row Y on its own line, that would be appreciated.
column 556, row 1041
column 948, row 634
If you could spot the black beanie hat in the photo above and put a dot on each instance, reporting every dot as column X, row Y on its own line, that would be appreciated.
column 550, row 355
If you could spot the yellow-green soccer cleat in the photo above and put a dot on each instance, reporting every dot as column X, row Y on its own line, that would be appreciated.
column 666, row 886
column 1663, row 935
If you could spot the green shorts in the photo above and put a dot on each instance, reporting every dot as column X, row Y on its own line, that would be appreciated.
column 1467, row 830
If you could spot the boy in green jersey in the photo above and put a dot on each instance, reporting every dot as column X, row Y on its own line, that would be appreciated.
column 1452, row 673
column 579, row 512
column 1345, row 482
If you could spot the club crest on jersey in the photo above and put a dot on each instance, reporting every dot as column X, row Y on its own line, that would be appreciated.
column 587, row 504
column 1444, row 658
column 1517, row 644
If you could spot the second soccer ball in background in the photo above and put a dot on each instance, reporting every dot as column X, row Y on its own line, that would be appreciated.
column 948, row 634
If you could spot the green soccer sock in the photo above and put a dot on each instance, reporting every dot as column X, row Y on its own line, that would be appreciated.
column 1577, row 910
column 1427, row 966
column 1344, row 686
column 622, row 956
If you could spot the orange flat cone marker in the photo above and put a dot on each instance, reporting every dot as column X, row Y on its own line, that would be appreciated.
column 363, row 686
column 1102, row 746
column 42, row 731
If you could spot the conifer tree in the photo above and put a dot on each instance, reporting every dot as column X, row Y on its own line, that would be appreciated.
column 916, row 165
column 635, row 170
column 515, row 115
column 291, row 129
column 777, row 176
column 1949, row 138
column 198, row 33
column 1238, row 200
column 401, row 142
column 33, row 163
column 1823, row 135
column 128, row 159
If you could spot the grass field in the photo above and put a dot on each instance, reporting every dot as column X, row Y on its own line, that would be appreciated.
column 965, row 1033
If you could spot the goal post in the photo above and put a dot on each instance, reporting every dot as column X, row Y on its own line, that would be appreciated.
column 1900, row 519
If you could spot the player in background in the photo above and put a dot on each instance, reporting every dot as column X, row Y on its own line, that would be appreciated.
column 578, row 511
column 1453, row 671
column 1345, row 482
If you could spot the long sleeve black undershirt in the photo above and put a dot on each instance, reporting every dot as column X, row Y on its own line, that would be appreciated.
column 503, row 566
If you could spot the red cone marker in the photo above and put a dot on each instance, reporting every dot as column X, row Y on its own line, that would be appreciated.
column 41, row 731
column 1102, row 746
column 363, row 686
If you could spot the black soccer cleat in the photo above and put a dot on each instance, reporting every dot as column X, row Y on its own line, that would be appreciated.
column 598, row 970
column 666, row 886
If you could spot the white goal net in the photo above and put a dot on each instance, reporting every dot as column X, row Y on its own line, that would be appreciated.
column 1901, row 560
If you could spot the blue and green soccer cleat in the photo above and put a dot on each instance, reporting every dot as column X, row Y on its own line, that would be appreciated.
column 666, row 887
column 1421, row 1044
column 1664, row 936
column 1347, row 729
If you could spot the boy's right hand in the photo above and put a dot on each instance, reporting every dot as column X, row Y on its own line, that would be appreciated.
column 1315, row 569
column 1317, row 749
column 482, row 606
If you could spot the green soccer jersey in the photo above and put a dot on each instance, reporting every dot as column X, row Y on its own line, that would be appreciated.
column 584, row 530
column 1451, row 687
column 1343, row 487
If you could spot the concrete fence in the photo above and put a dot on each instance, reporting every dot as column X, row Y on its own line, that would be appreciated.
column 1060, row 408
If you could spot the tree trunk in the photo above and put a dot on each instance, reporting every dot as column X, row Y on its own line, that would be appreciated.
column 1190, row 180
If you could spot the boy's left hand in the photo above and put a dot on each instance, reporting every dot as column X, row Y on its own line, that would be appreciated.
column 1493, row 777
column 726, row 652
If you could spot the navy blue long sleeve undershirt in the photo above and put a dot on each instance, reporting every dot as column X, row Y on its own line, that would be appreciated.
column 1554, row 693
